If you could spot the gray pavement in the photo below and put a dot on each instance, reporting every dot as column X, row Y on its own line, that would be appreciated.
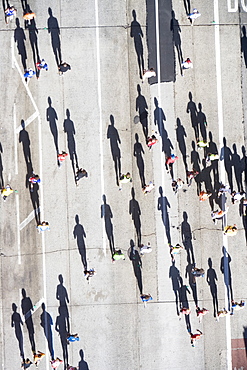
column 91, row 112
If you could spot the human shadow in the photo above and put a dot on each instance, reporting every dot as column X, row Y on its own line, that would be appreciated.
column 137, row 34
column 51, row 117
column 34, row 195
column 212, row 149
column 163, row 205
column 192, row 281
column 202, row 120
column 1, row 167
column 80, row 235
column 135, row 258
column 33, row 38
column 27, row 310
column 174, row 275
column 181, row 135
column 244, row 45
column 24, row 139
column 244, row 165
column 236, row 164
column 83, row 365
column 62, row 328
column 195, row 162
column 135, row 212
column 106, row 213
column 245, row 338
column 142, row 109
column 159, row 117
column 54, row 30
column 16, row 323
column 138, row 151
column 69, row 129
column 186, row 235
column 226, row 271
column 184, row 303
column 20, row 39
column 62, row 297
column 113, row 136
column 176, row 30
column 46, row 322
column 226, row 156
column 211, row 280
column 187, row 6
column 192, row 110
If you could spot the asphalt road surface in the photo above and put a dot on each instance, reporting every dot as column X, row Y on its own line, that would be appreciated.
column 100, row 113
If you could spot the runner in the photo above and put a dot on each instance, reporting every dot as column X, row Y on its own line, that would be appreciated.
column 193, row 16
column 118, row 255
column 230, row 230
column 194, row 337
column 10, row 14
column 204, row 195
column 43, row 226
column 147, row 73
column 55, row 363
column 124, row 179
column 151, row 141
column 41, row 64
column 145, row 249
column 72, row 338
column 37, row 357
column 5, row 192
column 148, row 188
column 201, row 312
column 89, row 273
column 191, row 175
column 61, row 157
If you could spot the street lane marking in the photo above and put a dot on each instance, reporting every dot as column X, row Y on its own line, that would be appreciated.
column 18, row 230
column 34, row 309
column 27, row 122
column 222, row 168
column 29, row 218
column 100, row 116
column 15, row 140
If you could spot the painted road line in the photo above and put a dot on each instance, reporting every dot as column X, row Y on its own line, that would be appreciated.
column 29, row 218
column 34, row 309
column 15, row 140
column 222, row 168
column 18, row 230
column 100, row 116
column 27, row 121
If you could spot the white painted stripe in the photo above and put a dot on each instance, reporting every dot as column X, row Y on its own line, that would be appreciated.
column 29, row 218
column 27, row 121
column 34, row 309
column 18, row 230
column 100, row 117
column 15, row 140
column 222, row 168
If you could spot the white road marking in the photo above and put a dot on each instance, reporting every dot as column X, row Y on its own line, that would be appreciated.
column 222, row 168
column 15, row 140
column 100, row 117
column 34, row 309
column 229, row 6
column 27, row 122
column 29, row 218
column 18, row 229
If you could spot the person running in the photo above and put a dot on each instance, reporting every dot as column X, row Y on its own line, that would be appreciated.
column 222, row 313
column 89, row 273
column 175, row 250
column 80, row 174
column 201, row 312
column 43, row 226
column 29, row 16
column 238, row 306
column 26, row 364
column 55, row 363
column 145, row 249
column 216, row 215
column 204, row 195
column 148, row 188
column 191, row 175
column 211, row 157
column 63, row 67
column 147, row 73
column 201, row 144
column 10, row 14
column 224, row 189
column 72, row 338
column 185, row 310
column 34, row 179
column 41, row 64
column 151, row 141
column 176, row 185
column 146, row 297
column 118, row 255
column 124, row 179
column 29, row 73
column 187, row 64
column 61, row 157
column 71, row 368
column 237, row 197
column 193, row 16
column 37, row 357
column 198, row 272
column 230, row 230
column 194, row 337
column 169, row 163
column 5, row 192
